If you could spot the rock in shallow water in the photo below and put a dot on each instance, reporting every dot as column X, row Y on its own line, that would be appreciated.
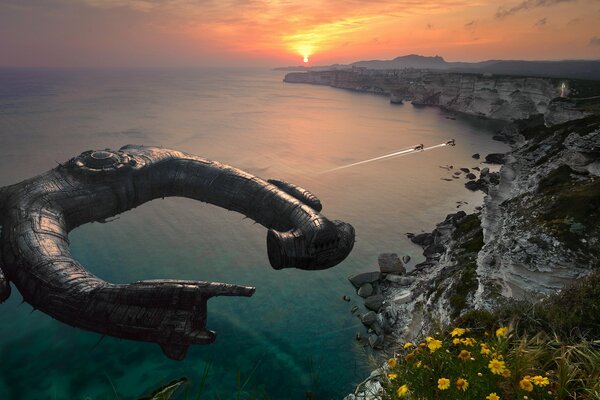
column 368, row 318
column 390, row 263
column 366, row 277
column 374, row 302
column 406, row 259
column 365, row 290
column 495, row 158
column 422, row 239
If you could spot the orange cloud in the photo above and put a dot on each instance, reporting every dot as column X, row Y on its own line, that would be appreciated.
column 190, row 32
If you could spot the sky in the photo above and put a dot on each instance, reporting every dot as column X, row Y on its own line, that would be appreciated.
column 267, row 33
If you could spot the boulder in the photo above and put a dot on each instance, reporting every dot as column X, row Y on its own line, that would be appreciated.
column 476, row 156
column 368, row 318
column 406, row 259
column 434, row 250
column 475, row 185
column 365, row 290
column 465, row 170
column 366, row 277
column 375, row 341
column 471, row 176
column 422, row 239
column 374, row 302
column 390, row 263
column 454, row 218
column 495, row 158
column 346, row 298
column 377, row 328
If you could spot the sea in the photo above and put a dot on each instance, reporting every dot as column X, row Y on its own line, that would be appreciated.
column 295, row 338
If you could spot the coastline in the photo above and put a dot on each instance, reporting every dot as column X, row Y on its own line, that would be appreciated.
column 474, row 261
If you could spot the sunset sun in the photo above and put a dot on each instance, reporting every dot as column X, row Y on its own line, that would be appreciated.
column 305, row 59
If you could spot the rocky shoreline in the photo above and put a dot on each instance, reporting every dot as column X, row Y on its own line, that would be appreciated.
column 537, row 230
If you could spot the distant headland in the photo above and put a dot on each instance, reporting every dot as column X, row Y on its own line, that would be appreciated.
column 574, row 69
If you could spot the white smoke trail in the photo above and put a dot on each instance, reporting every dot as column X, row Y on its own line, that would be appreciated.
column 404, row 152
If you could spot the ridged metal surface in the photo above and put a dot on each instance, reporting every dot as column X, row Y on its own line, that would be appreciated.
column 38, row 213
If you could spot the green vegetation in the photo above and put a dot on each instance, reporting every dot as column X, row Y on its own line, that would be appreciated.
column 536, row 131
column 494, row 365
column 571, row 314
column 544, row 350
column 469, row 240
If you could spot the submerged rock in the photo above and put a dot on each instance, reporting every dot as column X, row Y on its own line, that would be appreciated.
column 406, row 259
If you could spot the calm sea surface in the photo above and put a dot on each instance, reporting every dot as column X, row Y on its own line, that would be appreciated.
column 295, row 334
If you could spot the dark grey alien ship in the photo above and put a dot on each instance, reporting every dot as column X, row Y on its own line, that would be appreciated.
column 37, row 214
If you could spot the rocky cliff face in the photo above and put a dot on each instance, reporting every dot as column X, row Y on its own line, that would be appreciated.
column 540, row 223
column 538, row 230
column 506, row 98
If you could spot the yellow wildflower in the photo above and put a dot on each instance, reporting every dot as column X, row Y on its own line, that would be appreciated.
column 457, row 332
column 410, row 356
column 402, row 390
column 540, row 380
column 462, row 384
column 422, row 345
column 468, row 341
column 485, row 350
column 391, row 377
column 456, row 341
column 501, row 332
column 492, row 396
column 434, row 344
column 443, row 383
column 392, row 362
column 418, row 364
column 408, row 344
column 496, row 366
column 525, row 384
column 506, row 373
column 464, row 355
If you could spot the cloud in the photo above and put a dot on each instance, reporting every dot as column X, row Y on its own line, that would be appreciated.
column 528, row 5
column 595, row 41
column 470, row 26
column 541, row 22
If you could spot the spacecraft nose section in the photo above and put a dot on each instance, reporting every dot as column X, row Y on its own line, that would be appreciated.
column 324, row 249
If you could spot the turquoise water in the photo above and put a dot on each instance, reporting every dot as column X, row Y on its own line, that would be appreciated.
column 295, row 334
